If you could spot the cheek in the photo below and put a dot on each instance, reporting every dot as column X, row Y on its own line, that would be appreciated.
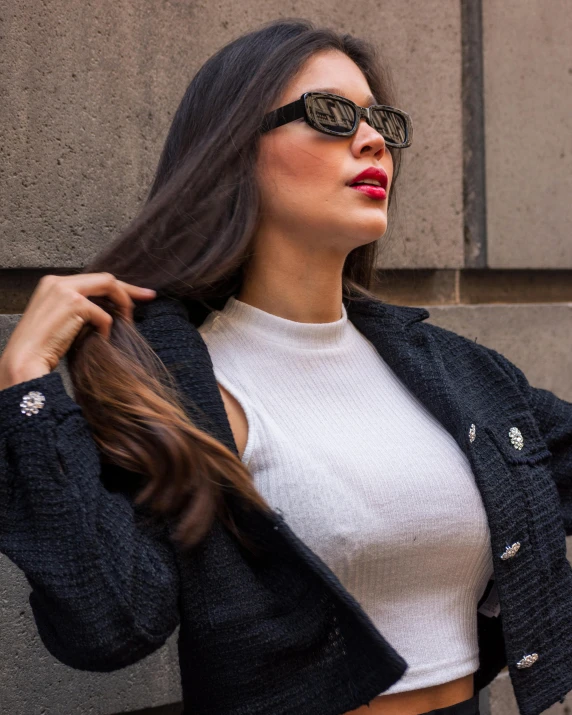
column 296, row 173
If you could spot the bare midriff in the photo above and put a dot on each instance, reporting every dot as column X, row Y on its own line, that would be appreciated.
column 423, row 700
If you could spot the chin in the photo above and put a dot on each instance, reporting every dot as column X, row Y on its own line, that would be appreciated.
column 369, row 232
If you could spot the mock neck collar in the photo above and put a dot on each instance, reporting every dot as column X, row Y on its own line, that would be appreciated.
column 263, row 325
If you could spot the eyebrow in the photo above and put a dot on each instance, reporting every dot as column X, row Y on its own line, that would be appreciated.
column 369, row 100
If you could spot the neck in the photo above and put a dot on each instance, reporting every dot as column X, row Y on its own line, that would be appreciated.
column 303, row 287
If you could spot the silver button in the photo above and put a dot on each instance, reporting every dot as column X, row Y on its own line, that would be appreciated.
column 527, row 661
column 510, row 551
column 472, row 433
column 32, row 403
column 516, row 437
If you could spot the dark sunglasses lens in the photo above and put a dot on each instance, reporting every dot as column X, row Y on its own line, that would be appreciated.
column 334, row 114
column 390, row 125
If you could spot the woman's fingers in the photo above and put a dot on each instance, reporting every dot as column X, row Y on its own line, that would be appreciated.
column 106, row 284
column 59, row 308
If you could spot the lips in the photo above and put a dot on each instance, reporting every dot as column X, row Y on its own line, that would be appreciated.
column 372, row 173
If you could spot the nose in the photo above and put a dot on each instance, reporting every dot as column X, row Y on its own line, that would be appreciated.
column 368, row 140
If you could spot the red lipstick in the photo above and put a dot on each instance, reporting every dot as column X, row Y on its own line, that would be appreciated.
column 372, row 174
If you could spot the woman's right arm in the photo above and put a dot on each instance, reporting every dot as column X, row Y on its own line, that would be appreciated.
column 104, row 584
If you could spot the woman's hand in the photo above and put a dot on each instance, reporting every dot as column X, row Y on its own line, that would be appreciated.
column 58, row 309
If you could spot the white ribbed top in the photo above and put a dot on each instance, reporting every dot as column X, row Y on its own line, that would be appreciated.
column 365, row 476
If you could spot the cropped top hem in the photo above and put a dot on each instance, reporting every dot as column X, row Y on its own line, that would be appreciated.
column 435, row 674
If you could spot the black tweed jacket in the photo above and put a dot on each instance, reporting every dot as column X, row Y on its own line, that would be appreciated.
column 278, row 633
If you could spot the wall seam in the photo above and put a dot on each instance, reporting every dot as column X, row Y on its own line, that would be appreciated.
column 472, row 92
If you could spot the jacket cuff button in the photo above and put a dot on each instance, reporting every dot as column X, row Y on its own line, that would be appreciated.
column 32, row 403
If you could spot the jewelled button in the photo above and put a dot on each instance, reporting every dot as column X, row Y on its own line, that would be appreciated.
column 472, row 433
column 32, row 403
column 527, row 661
column 510, row 551
column 516, row 437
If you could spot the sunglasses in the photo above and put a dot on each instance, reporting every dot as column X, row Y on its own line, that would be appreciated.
column 332, row 114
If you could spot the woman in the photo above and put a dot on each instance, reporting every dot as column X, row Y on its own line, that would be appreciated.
column 268, row 456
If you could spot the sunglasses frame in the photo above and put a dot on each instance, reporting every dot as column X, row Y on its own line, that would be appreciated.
column 304, row 108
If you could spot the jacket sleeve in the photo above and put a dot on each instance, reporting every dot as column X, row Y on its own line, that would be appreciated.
column 554, row 418
column 104, row 583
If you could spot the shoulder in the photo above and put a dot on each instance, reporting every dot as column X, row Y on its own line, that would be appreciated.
column 165, row 325
column 162, row 308
column 462, row 357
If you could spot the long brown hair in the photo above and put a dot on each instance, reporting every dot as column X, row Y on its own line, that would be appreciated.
column 191, row 240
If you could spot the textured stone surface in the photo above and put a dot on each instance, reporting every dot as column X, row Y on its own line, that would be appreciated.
column 528, row 131
column 89, row 89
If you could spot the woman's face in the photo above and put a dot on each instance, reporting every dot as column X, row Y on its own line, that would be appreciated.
column 304, row 175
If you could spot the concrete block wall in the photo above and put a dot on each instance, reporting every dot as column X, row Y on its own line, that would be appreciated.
column 482, row 240
column 528, row 132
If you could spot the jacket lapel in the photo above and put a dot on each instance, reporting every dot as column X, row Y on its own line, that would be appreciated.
column 165, row 325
